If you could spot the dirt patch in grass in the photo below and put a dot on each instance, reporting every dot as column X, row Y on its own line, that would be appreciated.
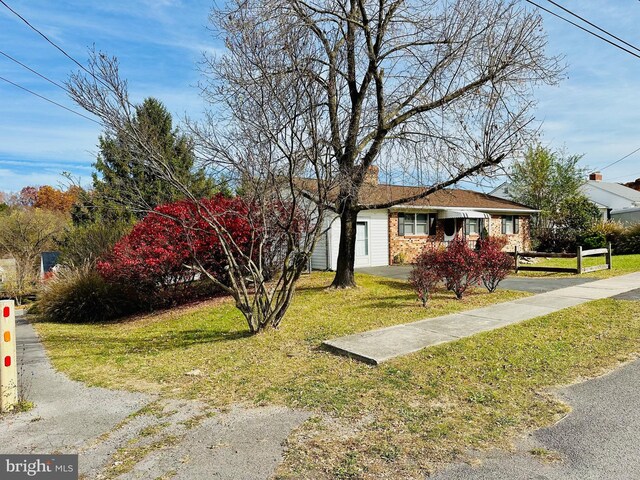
column 399, row 420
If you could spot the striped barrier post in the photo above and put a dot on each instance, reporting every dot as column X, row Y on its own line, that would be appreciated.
column 8, row 367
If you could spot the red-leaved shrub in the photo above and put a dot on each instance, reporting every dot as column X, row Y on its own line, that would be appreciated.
column 495, row 264
column 153, row 259
column 461, row 267
column 425, row 274
column 458, row 266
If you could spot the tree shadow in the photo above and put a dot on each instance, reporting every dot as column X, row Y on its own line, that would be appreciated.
column 311, row 289
column 395, row 283
column 167, row 342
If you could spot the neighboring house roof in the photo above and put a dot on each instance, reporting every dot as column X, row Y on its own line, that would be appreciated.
column 604, row 195
column 633, row 196
column 625, row 210
column 501, row 191
column 635, row 184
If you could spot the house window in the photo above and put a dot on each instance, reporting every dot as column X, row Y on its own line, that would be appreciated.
column 510, row 224
column 473, row 226
column 416, row 224
column 362, row 239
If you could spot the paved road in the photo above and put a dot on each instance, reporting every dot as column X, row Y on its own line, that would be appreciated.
column 630, row 295
column 524, row 284
column 598, row 440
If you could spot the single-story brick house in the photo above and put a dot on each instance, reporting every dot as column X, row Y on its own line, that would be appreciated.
column 398, row 234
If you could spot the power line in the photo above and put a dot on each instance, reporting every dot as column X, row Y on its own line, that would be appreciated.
column 48, row 99
column 581, row 28
column 625, row 176
column 601, row 38
column 33, row 71
column 85, row 69
column 620, row 159
column 593, row 25
column 44, row 36
column 65, row 54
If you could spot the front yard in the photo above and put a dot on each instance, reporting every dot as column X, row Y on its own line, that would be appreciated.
column 622, row 264
column 399, row 420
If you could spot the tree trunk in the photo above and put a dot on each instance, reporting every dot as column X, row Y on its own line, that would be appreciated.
column 347, row 252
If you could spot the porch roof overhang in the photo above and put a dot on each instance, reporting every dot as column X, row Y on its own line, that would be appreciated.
column 462, row 214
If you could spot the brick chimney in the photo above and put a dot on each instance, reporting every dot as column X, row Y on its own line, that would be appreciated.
column 595, row 176
column 371, row 177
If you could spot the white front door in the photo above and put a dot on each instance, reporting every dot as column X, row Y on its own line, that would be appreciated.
column 362, row 244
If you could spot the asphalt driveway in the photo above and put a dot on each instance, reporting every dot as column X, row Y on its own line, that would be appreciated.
column 97, row 423
column 599, row 439
column 524, row 284
column 65, row 416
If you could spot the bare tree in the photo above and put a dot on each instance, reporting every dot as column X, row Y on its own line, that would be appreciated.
column 26, row 232
column 261, row 272
column 432, row 91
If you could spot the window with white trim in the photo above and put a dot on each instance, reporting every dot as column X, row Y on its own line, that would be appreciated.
column 473, row 226
column 416, row 224
column 510, row 224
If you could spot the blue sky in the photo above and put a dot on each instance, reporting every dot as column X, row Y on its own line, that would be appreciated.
column 593, row 112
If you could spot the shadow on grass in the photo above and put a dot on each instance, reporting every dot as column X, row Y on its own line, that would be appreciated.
column 395, row 284
column 151, row 344
column 312, row 289
column 133, row 313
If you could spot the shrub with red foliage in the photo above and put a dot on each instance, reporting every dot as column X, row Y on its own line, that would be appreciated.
column 425, row 274
column 153, row 258
column 459, row 267
column 494, row 263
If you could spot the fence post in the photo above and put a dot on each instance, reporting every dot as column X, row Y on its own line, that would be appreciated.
column 609, row 255
column 579, row 260
column 8, row 367
column 515, row 255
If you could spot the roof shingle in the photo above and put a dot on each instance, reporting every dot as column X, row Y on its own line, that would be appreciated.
column 450, row 197
column 375, row 194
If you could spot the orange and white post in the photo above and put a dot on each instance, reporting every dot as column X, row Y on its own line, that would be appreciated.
column 8, row 367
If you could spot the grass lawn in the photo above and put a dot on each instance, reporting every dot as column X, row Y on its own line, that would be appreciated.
column 398, row 420
column 622, row 264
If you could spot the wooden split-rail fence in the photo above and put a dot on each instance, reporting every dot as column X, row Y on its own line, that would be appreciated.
column 579, row 256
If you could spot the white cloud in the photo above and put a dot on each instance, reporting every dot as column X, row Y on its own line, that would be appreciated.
column 12, row 181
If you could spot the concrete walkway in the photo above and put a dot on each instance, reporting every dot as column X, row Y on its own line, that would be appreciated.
column 378, row 346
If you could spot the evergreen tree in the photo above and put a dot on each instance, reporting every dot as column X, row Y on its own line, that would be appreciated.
column 122, row 188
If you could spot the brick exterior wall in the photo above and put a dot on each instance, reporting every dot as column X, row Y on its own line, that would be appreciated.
column 410, row 246
column 522, row 240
